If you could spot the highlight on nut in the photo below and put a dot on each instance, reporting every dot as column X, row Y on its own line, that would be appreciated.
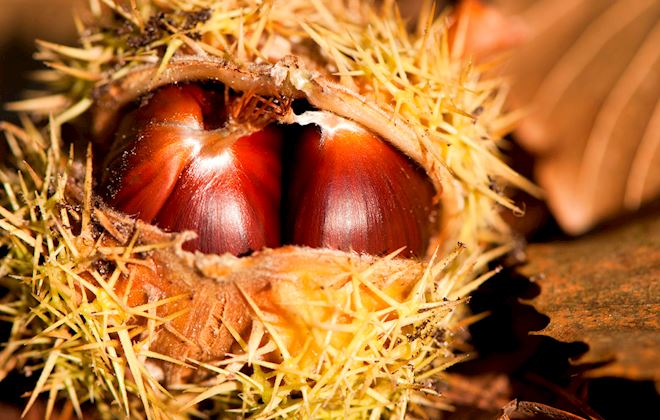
column 247, row 208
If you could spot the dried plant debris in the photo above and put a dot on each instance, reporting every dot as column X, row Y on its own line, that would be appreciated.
column 531, row 410
column 488, row 392
column 603, row 290
column 589, row 77
column 112, row 311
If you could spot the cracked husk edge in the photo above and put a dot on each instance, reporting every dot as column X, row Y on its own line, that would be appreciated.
column 379, row 332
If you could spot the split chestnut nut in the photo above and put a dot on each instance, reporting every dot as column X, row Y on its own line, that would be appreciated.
column 182, row 161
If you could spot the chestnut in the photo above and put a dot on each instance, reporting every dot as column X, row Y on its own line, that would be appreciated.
column 173, row 165
column 349, row 190
column 180, row 162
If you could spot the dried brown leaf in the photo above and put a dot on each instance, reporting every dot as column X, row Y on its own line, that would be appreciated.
column 532, row 410
column 603, row 289
column 589, row 75
column 489, row 391
column 481, row 30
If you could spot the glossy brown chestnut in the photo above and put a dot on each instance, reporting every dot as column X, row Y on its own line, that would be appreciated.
column 350, row 190
column 172, row 164
column 178, row 161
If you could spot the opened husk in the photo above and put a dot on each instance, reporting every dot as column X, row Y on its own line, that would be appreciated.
column 112, row 310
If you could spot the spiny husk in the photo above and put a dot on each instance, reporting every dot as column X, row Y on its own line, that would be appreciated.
column 378, row 331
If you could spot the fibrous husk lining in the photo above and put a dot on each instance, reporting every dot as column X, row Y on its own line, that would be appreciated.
column 378, row 334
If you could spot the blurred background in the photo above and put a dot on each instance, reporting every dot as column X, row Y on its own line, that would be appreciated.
column 21, row 22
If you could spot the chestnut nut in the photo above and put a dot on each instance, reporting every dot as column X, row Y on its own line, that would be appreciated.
column 179, row 161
